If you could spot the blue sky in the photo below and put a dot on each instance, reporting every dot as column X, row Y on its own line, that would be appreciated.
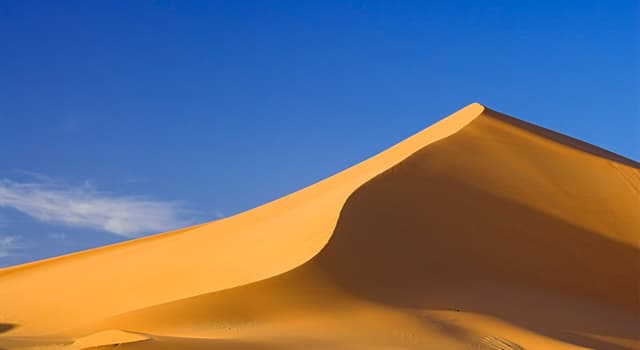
column 119, row 119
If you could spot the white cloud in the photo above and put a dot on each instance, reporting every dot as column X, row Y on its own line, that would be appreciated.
column 7, row 244
column 58, row 236
column 83, row 206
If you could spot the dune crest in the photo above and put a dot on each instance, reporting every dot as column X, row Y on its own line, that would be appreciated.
column 481, row 230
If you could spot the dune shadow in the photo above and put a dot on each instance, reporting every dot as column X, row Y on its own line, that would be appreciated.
column 563, row 139
column 448, row 245
column 5, row 327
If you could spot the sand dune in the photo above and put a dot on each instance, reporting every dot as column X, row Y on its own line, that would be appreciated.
column 480, row 232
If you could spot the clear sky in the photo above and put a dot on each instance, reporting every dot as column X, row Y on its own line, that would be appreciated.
column 123, row 118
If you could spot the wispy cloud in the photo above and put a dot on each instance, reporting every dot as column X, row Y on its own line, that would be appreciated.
column 8, row 244
column 84, row 206
column 58, row 236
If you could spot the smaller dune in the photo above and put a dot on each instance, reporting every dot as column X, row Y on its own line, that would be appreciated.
column 111, row 337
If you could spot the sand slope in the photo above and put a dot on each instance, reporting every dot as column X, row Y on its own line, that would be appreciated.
column 482, row 231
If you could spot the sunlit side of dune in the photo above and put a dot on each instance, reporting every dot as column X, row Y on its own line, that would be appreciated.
column 481, row 231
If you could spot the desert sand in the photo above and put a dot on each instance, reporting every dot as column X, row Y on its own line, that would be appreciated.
column 479, row 232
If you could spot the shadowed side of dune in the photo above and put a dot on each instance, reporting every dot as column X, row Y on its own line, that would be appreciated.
column 5, row 327
column 562, row 139
column 526, row 229
column 499, row 258
column 397, row 238
column 498, row 203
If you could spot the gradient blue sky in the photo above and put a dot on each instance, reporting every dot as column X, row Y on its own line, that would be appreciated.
column 122, row 118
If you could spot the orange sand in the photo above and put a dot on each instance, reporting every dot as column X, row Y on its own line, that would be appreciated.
column 480, row 232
